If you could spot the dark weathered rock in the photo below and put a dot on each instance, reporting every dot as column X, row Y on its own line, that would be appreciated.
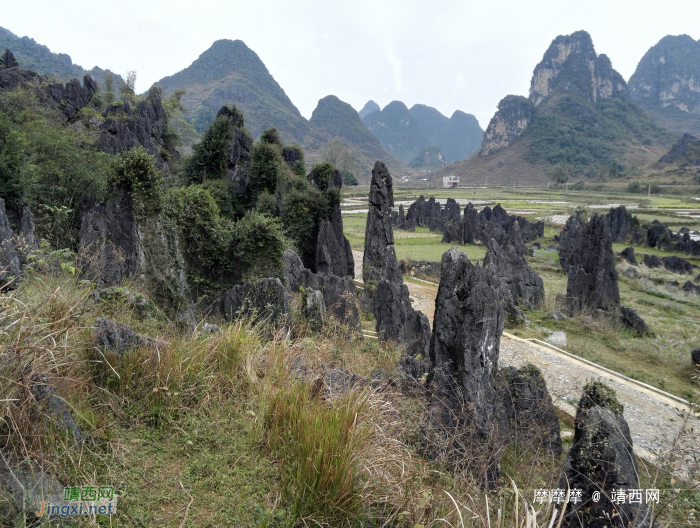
column 416, row 370
column 629, row 256
column 24, row 487
column 263, row 302
column 314, row 308
column 601, row 460
column 397, row 321
column 470, row 224
column 291, row 155
column 464, row 352
column 695, row 356
column 525, row 285
column 116, row 245
column 55, row 407
column 125, row 127
column 677, row 265
column 8, row 60
column 338, row 292
column 72, row 97
column 526, row 412
column 592, row 279
column 241, row 147
column 566, row 239
column 631, row 319
column 9, row 256
column 689, row 287
column 659, row 236
column 333, row 251
column 639, row 236
column 652, row 261
column 111, row 336
column 618, row 221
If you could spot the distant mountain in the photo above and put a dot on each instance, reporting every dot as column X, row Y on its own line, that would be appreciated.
column 229, row 72
column 335, row 118
column 578, row 115
column 37, row 57
column 458, row 137
column 428, row 158
column 397, row 131
column 667, row 83
column 369, row 107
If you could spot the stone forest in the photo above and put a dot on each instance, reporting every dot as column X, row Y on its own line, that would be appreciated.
column 207, row 320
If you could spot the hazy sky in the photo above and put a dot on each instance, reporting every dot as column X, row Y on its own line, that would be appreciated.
column 448, row 54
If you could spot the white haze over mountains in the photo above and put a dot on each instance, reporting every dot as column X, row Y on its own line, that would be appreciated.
column 449, row 54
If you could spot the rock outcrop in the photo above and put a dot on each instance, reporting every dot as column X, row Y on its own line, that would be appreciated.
column 55, row 407
column 526, row 411
column 567, row 239
column 510, row 121
column 384, row 289
column 695, row 356
column 118, row 338
column 116, row 245
column 241, row 147
column 145, row 124
column 685, row 150
column 676, row 264
column 601, row 461
column 523, row 283
column 263, row 302
column 72, row 97
column 464, row 352
column 9, row 256
column 618, row 221
column 629, row 256
column 338, row 292
column 592, row 278
column 651, row 261
column 631, row 319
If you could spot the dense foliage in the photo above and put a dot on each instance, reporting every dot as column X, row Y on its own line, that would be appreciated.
column 135, row 173
column 209, row 160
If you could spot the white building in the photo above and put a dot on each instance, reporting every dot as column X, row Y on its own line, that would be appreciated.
column 450, row 181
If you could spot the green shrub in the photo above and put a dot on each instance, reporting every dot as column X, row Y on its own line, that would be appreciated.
column 210, row 157
column 302, row 210
column 265, row 168
column 349, row 178
column 271, row 137
column 12, row 159
column 266, row 204
column 135, row 172
column 257, row 245
column 634, row 187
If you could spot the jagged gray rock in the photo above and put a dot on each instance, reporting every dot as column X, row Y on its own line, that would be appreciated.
column 338, row 292
column 9, row 256
column 111, row 336
column 510, row 121
column 676, row 264
column 631, row 319
column 689, row 287
column 618, row 221
column 116, row 245
column 314, row 308
column 72, row 97
column 241, row 147
column 695, row 356
column 23, row 490
column 629, row 256
column 8, row 60
column 526, row 412
column 659, row 236
column 28, row 240
column 55, row 407
column 592, row 278
column 652, row 261
column 397, row 321
column 470, row 224
column 384, row 290
column 464, row 352
column 567, row 237
column 125, row 127
column 525, row 285
column 601, row 460
column 263, row 302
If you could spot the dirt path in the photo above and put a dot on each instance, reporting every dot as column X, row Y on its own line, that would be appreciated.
column 653, row 419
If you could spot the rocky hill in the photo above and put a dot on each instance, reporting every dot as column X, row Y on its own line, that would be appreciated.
column 369, row 107
column 667, row 83
column 397, row 131
column 37, row 57
column 578, row 114
column 335, row 118
column 458, row 137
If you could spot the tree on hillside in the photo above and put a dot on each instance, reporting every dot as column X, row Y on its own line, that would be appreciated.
column 128, row 89
column 338, row 154
column 109, row 87
column 559, row 174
